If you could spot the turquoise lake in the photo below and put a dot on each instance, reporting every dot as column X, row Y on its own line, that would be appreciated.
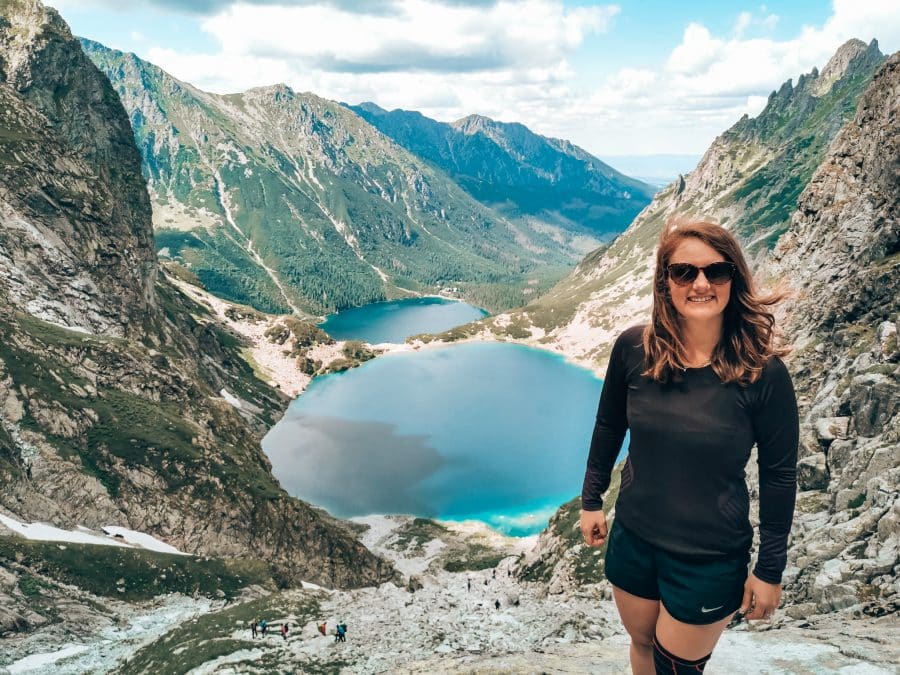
column 395, row 320
column 487, row 431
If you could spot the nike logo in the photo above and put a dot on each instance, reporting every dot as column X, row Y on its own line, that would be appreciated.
column 706, row 611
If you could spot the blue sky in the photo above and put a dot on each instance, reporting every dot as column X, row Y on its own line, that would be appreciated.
column 616, row 78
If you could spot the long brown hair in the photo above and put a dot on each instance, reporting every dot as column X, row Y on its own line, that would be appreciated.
column 748, row 328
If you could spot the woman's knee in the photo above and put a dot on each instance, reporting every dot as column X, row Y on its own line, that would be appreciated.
column 639, row 616
column 641, row 636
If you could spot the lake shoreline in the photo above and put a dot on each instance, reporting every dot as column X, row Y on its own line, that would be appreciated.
column 281, row 371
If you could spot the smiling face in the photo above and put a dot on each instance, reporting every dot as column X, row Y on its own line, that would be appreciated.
column 700, row 300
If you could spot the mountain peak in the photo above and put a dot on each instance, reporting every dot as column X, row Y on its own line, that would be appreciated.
column 848, row 55
column 278, row 91
column 471, row 124
column 26, row 20
column 369, row 107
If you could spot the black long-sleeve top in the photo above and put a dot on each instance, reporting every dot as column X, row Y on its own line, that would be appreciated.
column 683, row 487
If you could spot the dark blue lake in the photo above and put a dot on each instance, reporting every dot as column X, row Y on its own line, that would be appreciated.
column 396, row 320
column 487, row 431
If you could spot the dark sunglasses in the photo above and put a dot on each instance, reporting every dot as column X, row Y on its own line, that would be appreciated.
column 718, row 273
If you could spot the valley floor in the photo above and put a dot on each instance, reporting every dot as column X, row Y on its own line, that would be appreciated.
column 444, row 626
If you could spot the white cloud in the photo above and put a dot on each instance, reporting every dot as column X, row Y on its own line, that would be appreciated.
column 426, row 35
column 709, row 81
column 743, row 22
column 698, row 49
column 747, row 20
column 512, row 61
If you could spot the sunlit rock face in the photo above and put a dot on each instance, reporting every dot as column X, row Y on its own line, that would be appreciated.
column 842, row 256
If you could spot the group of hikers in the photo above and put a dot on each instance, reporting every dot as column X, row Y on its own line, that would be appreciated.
column 261, row 627
column 494, row 577
column 340, row 631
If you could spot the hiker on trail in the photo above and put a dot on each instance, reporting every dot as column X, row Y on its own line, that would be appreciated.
column 284, row 630
column 493, row 574
column 697, row 387
column 342, row 631
column 470, row 584
column 264, row 626
column 322, row 629
column 497, row 604
column 253, row 627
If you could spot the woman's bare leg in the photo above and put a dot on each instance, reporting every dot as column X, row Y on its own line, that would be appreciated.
column 686, row 640
column 639, row 616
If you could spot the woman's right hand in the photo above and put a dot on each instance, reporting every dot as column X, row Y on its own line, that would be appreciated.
column 593, row 527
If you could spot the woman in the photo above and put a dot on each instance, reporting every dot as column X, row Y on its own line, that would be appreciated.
column 697, row 387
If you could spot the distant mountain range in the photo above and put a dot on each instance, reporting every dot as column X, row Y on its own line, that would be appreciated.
column 522, row 174
column 289, row 202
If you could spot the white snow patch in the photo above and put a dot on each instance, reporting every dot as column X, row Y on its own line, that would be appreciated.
column 311, row 586
column 45, row 532
column 40, row 661
column 142, row 539
column 83, row 535
column 231, row 398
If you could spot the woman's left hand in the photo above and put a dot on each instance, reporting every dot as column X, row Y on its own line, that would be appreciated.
column 760, row 598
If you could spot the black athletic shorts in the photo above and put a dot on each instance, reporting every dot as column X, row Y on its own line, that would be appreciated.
column 693, row 590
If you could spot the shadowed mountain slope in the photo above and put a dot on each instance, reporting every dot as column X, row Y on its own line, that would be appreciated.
column 524, row 175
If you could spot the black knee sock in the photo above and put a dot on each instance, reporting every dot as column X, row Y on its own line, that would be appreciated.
column 669, row 664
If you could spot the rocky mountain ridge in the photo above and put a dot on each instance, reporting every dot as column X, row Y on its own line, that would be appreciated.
column 67, row 160
column 842, row 255
column 524, row 175
column 123, row 402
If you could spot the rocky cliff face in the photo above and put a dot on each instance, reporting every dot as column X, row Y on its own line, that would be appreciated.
column 74, row 250
column 524, row 175
column 842, row 255
column 289, row 202
column 113, row 405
